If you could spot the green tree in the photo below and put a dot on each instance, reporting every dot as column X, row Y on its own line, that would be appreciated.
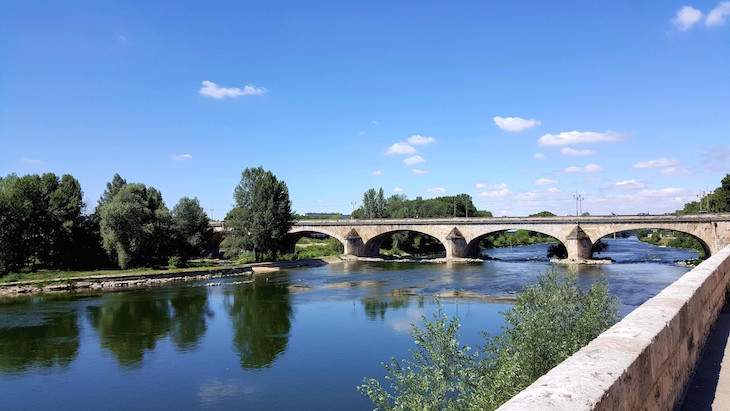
column 374, row 204
column 190, row 228
column 262, row 215
column 550, row 321
column 542, row 214
column 37, row 219
column 136, row 226
column 112, row 188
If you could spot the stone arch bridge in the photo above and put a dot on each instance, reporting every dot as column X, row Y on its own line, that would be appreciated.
column 461, row 236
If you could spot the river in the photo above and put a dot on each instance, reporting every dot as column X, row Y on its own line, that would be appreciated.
column 299, row 339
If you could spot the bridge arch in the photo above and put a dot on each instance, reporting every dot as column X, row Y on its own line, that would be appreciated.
column 372, row 246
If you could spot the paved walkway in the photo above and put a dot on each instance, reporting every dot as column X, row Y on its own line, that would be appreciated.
column 709, row 388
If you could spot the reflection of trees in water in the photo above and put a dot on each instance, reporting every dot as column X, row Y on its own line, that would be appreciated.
column 191, row 312
column 54, row 342
column 261, row 315
column 131, row 323
column 376, row 307
column 128, row 324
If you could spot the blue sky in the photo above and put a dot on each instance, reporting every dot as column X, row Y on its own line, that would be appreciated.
column 519, row 104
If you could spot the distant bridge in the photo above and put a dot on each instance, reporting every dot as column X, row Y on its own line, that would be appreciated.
column 461, row 236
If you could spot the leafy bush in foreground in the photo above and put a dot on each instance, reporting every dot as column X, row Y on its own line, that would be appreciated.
column 550, row 321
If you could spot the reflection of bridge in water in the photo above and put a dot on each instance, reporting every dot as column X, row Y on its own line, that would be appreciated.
column 461, row 236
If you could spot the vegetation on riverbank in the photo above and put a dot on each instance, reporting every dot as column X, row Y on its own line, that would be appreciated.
column 43, row 226
column 550, row 321
column 61, row 275
column 669, row 238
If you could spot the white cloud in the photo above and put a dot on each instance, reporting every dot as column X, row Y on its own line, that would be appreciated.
column 481, row 185
column 400, row 148
column 576, row 137
column 674, row 171
column 397, row 190
column 545, row 182
column 378, row 173
column 496, row 191
column 567, row 151
column 418, row 140
column 413, row 160
column 362, row 133
column 436, row 190
column 538, row 156
column 514, row 124
column 716, row 17
column 664, row 192
column 211, row 89
column 659, row 162
column 553, row 190
column 374, row 122
column 417, row 171
column 30, row 161
column 182, row 157
column 590, row 168
column 630, row 185
column 686, row 17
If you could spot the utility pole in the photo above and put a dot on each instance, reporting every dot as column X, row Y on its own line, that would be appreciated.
column 578, row 203
column 701, row 196
column 211, row 214
column 353, row 207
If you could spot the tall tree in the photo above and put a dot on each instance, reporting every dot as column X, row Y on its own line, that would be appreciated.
column 190, row 228
column 112, row 188
column 37, row 218
column 262, row 215
column 135, row 226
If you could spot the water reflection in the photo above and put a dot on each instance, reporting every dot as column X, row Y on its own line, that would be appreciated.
column 261, row 316
column 376, row 307
column 128, row 325
column 190, row 316
column 41, row 336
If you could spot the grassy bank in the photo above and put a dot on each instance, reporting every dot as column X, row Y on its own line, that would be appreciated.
column 56, row 276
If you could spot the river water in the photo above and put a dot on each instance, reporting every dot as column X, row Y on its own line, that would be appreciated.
column 299, row 339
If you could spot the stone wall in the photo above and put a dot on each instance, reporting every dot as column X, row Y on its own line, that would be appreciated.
column 644, row 361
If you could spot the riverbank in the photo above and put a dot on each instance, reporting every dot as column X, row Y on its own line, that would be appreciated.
column 115, row 281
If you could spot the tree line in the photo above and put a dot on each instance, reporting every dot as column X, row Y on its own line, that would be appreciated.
column 376, row 205
column 718, row 201
column 43, row 225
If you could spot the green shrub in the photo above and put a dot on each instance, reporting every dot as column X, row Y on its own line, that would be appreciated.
column 176, row 262
column 550, row 321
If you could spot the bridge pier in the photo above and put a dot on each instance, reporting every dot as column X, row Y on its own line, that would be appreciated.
column 354, row 245
column 456, row 245
column 578, row 244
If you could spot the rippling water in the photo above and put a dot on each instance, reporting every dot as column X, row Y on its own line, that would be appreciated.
column 299, row 339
